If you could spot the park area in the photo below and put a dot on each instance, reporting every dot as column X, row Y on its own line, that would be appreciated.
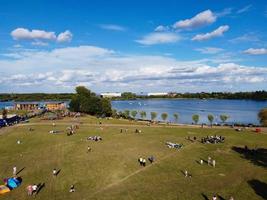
column 110, row 170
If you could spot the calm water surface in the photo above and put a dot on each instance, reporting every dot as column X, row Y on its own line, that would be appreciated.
column 240, row 111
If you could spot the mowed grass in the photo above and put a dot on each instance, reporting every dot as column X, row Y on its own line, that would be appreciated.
column 111, row 170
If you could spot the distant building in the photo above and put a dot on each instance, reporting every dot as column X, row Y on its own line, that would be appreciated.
column 157, row 94
column 55, row 105
column 26, row 106
column 110, row 94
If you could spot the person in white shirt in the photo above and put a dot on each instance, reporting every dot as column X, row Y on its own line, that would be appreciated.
column 54, row 172
column 214, row 197
column 34, row 189
column 14, row 171
column 213, row 163
column 201, row 162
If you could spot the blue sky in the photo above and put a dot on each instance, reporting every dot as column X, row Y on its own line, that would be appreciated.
column 53, row 46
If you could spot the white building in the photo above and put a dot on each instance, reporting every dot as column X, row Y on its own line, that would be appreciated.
column 110, row 94
column 157, row 94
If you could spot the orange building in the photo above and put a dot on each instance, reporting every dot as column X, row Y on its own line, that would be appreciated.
column 55, row 106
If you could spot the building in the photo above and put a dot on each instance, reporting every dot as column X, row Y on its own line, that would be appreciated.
column 110, row 94
column 26, row 106
column 55, row 105
column 157, row 94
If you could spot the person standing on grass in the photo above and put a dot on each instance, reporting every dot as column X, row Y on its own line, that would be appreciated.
column 89, row 149
column 186, row 173
column 54, row 172
column 201, row 162
column 29, row 190
column 209, row 160
column 213, row 163
column 144, row 162
column 14, row 171
column 34, row 189
column 72, row 189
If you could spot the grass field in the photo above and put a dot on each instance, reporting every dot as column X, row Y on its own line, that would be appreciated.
column 111, row 170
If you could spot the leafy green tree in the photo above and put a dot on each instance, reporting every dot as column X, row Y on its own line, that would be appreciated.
column 195, row 118
column 127, row 113
column 4, row 113
column 114, row 113
column 128, row 95
column 262, row 115
column 164, row 116
column 224, row 118
column 211, row 119
column 176, row 117
column 153, row 115
column 143, row 114
column 86, row 101
column 134, row 113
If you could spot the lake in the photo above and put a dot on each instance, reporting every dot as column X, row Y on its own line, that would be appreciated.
column 239, row 111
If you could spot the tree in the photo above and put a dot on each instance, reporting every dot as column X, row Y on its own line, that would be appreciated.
column 176, row 116
column 127, row 113
column 153, row 115
column 262, row 115
column 195, row 118
column 164, row 116
column 86, row 101
column 128, row 95
column 143, row 114
column 134, row 113
column 210, row 118
column 4, row 113
column 224, row 118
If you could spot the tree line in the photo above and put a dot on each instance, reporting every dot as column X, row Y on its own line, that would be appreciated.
column 128, row 114
column 257, row 95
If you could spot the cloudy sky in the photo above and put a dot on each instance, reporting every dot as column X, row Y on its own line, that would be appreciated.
column 138, row 46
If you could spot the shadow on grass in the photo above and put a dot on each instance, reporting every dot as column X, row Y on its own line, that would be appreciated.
column 256, row 156
column 204, row 196
column 40, row 186
column 20, row 171
column 259, row 187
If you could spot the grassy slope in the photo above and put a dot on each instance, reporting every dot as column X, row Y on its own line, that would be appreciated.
column 111, row 170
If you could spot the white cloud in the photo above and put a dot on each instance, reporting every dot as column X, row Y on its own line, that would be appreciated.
column 161, row 28
column 39, row 43
column 103, row 69
column 113, row 27
column 39, row 35
column 209, row 50
column 224, row 12
column 65, row 36
column 249, row 37
column 25, row 34
column 159, row 38
column 252, row 51
column 244, row 9
column 216, row 33
column 201, row 19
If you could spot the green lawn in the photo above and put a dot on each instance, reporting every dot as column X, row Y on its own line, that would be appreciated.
column 111, row 170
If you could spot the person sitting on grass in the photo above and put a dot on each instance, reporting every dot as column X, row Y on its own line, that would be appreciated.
column 186, row 173
column 201, row 162
column 151, row 159
column 144, row 162
column 214, row 197
column 72, row 189
column 140, row 160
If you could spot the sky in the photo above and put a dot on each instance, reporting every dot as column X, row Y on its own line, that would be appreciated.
column 138, row 46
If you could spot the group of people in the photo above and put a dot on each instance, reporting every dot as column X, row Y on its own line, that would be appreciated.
column 172, row 145
column 142, row 161
column 212, row 139
column 95, row 138
column 214, row 197
column 32, row 189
